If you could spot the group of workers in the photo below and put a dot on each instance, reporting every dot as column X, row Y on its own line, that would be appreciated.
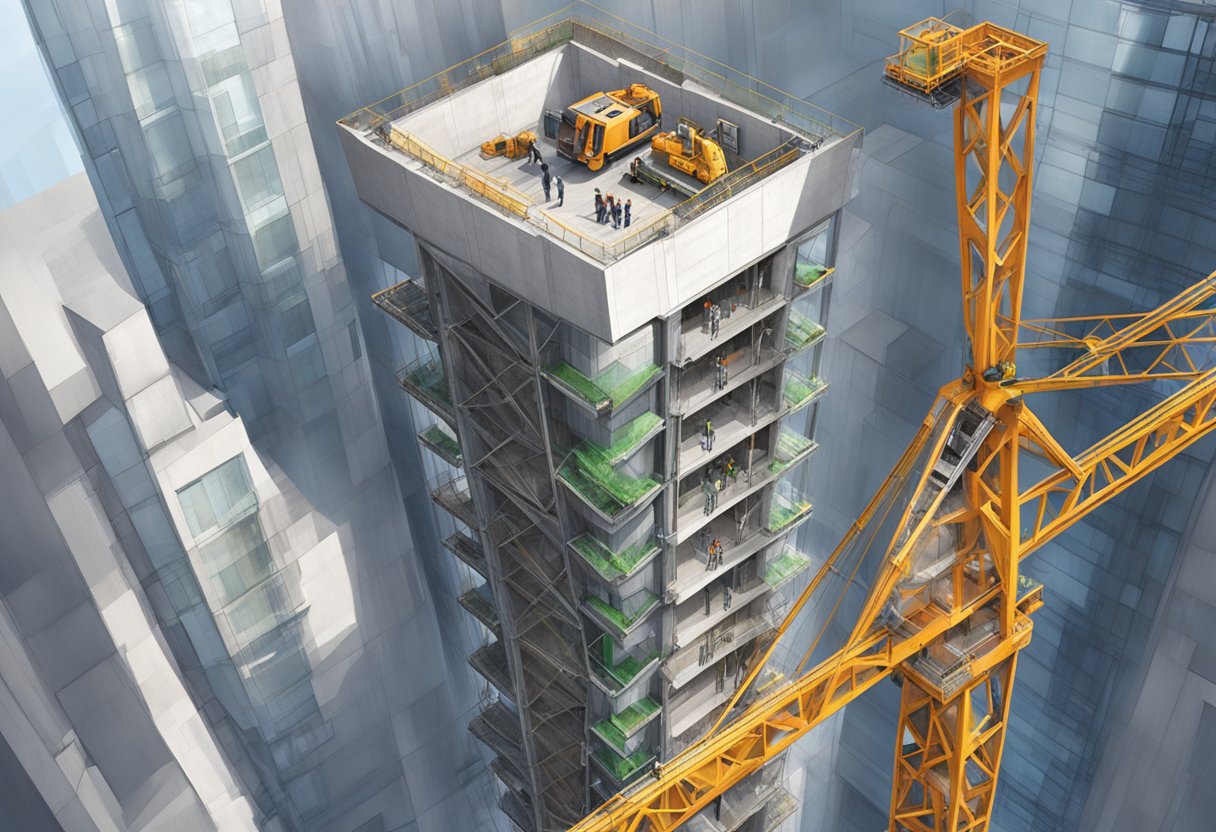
column 611, row 209
column 547, row 182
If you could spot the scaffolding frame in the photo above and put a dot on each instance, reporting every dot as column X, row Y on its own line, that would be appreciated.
column 498, row 392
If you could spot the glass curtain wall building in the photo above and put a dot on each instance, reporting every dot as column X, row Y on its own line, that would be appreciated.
column 193, row 131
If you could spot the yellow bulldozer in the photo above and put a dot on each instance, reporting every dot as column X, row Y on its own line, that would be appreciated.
column 690, row 152
column 513, row 147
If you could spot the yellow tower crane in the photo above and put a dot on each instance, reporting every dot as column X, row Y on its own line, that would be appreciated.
column 948, row 610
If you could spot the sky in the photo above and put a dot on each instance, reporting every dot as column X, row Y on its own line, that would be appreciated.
column 37, row 148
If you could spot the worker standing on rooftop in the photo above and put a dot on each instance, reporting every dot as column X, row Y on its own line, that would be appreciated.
column 545, row 180
column 534, row 157
column 599, row 206
column 561, row 191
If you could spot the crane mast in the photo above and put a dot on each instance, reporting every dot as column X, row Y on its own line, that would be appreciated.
column 948, row 609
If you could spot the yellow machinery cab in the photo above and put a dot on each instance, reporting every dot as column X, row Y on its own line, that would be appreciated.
column 513, row 147
column 690, row 152
column 607, row 125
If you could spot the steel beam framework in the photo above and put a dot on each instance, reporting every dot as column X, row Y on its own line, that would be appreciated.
column 493, row 374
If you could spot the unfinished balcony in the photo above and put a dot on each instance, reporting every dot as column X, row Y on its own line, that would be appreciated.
column 424, row 379
column 792, row 448
column 810, row 274
column 621, row 620
column 591, row 476
column 441, row 443
column 479, row 603
column 696, row 340
column 491, row 662
column 780, row 809
column 799, row 390
column 696, row 385
column 407, row 302
column 452, row 495
column 609, row 390
column 788, row 565
column 762, row 470
column 514, row 807
column 623, row 769
column 468, row 550
column 739, row 804
column 618, row 730
column 630, row 438
column 691, row 660
column 801, row 333
column 497, row 728
column 732, row 424
column 505, row 771
column 703, row 611
column 692, row 560
column 692, row 710
column 615, row 569
column 691, row 514
column 700, row 698
column 786, row 513
column 620, row 677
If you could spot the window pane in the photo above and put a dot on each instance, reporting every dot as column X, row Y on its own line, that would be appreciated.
column 274, row 241
column 297, row 323
column 259, row 611
column 257, row 178
column 237, row 114
column 217, row 497
column 150, row 90
column 136, row 47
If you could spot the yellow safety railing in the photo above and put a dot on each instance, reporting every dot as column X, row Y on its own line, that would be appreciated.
column 935, row 51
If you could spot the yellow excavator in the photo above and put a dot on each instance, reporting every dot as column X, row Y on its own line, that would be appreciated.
column 513, row 147
column 688, row 151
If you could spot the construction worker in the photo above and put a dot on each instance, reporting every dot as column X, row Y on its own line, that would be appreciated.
column 609, row 208
column 534, row 154
column 705, row 313
column 708, row 431
column 715, row 321
column 711, row 495
column 545, row 180
column 628, row 208
column 715, row 553
column 633, row 169
column 561, row 191
column 599, row 206
column 726, row 597
column 731, row 469
column 617, row 210
column 720, row 373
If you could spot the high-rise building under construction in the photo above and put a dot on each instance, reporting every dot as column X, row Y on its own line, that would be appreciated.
column 627, row 411
column 1112, row 722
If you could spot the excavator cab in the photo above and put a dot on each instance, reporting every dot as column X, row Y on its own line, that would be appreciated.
column 606, row 125
column 688, row 151
column 513, row 147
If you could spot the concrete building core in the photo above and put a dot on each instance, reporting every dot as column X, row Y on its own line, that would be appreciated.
column 628, row 414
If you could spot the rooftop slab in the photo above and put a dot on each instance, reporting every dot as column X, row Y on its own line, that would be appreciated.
column 415, row 159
